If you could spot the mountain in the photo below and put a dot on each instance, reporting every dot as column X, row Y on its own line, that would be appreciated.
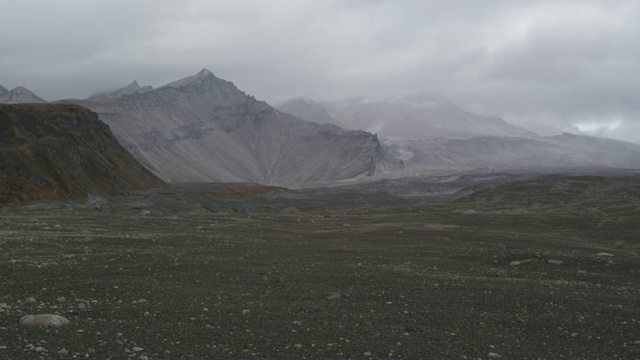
column 309, row 110
column 422, row 116
column 203, row 129
column 56, row 151
column 132, row 88
column 568, row 151
column 19, row 95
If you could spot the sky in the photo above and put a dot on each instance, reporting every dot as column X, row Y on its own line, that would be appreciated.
column 550, row 66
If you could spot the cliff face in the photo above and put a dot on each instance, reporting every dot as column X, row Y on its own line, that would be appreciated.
column 58, row 152
column 203, row 128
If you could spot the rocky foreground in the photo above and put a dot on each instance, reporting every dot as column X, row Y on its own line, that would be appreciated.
column 533, row 269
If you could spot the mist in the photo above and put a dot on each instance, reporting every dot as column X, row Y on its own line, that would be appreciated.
column 545, row 65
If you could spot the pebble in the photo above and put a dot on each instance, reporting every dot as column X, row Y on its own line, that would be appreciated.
column 61, row 299
column 601, row 254
column 368, row 353
column 493, row 355
column 44, row 320
column 637, row 342
column 555, row 262
column 143, row 358
column 30, row 301
column 333, row 296
column 3, row 347
column 297, row 346
column 501, row 273
column 39, row 349
column 246, row 311
column 137, row 349
column 63, row 351
column 82, row 306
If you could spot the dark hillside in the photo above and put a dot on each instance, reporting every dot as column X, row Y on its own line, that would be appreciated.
column 62, row 151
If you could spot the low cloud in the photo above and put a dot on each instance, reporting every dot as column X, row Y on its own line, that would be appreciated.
column 547, row 65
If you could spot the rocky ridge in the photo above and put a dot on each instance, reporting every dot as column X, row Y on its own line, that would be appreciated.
column 203, row 129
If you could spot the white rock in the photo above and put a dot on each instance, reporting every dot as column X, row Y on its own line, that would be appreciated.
column 368, row 353
column 246, row 311
column 30, row 301
column 61, row 299
column 63, row 351
column 137, row 349
column 493, row 355
column 39, row 349
column 604, row 254
column 44, row 320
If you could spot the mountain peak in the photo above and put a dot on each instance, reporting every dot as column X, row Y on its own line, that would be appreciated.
column 19, row 95
column 204, row 73
column 204, row 77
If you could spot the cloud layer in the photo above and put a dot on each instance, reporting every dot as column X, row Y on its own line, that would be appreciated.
column 547, row 65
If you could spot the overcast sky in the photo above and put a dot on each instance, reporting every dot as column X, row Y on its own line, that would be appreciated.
column 550, row 66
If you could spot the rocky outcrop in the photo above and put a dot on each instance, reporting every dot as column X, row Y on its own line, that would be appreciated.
column 203, row 129
column 62, row 151
column 19, row 95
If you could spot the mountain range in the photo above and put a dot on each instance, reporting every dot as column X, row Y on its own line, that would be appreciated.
column 428, row 131
column 203, row 129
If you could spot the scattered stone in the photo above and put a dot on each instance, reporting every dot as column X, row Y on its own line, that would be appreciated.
column 555, row 262
column 246, row 311
column 493, row 355
column 39, row 349
column 3, row 347
column 501, row 273
column 82, row 306
column 368, row 353
column 297, row 346
column 44, row 320
column 333, row 296
column 604, row 254
column 637, row 342
column 137, row 349
column 30, row 301
column 61, row 299
column 142, row 357
column 63, row 351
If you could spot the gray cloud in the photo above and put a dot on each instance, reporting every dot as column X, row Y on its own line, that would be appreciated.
column 547, row 65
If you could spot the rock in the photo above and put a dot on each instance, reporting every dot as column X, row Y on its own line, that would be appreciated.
column 604, row 254
column 63, row 351
column 501, row 273
column 468, row 212
column 39, row 349
column 30, row 300
column 61, row 299
column 246, row 311
column 493, row 355
column 137, row 349
column 555, row 262
column 3, row 347
column 368, row 353
column 333, row 296
column 637, row 342
column 297, row 346
column 82, row 306
column 44, row 320
column 142, row 357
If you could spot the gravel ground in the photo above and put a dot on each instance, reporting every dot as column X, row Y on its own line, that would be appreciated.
column 170, row 275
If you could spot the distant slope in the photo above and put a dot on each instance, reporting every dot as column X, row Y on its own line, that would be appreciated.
column 422, row 116
column 55, row 151
column 309, row 110
column 19, row 95
column 559, row 151
column 203, row 128
column 132, row 88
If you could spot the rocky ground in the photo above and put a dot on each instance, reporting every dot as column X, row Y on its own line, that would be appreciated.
column 542, row 268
